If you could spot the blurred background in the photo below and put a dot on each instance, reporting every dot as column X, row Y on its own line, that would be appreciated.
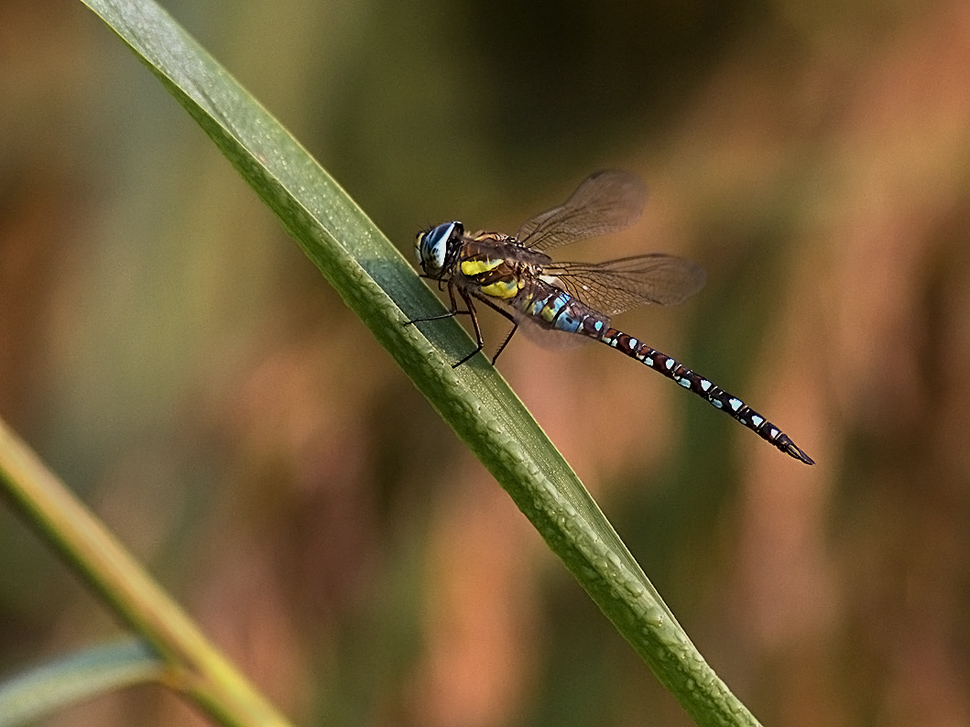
column 175, row 358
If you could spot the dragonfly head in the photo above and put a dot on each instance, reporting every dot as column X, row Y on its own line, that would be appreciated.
column 433, row 246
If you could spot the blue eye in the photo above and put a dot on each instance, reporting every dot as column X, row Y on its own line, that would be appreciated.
column 431, row 247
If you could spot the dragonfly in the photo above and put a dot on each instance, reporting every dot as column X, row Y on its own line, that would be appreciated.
column 573, row 301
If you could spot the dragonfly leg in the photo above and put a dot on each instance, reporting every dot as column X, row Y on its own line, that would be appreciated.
column 505, row 343
column 470, row 311
column 506, row 314
column 478, row 331
column 450, row 314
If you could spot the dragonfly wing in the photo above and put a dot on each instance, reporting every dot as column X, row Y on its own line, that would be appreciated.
column 605, row 202
column 621, row 285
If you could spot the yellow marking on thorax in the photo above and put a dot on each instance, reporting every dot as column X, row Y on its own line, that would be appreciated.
column 504, row 288
column 486, row 270
column 476, row 266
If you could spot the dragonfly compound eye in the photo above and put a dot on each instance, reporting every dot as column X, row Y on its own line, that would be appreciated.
column 432, row 246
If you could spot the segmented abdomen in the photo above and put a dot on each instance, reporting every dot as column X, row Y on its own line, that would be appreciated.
column 554, row 308
column 704, row 388
column 551, row 307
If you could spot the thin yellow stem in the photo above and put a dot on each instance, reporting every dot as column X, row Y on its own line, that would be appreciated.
column 197, row 668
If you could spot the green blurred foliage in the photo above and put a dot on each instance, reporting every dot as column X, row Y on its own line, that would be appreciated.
column 176, row 360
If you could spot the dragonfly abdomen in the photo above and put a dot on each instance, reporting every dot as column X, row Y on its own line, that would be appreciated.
column 706, row 389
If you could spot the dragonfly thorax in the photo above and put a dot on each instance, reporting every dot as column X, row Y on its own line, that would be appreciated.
column 435, row 246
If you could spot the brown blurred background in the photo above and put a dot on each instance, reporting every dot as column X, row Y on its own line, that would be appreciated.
column 175, row 358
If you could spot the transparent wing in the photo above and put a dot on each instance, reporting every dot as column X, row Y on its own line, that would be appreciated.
column 605, row 202
column 620, row 285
